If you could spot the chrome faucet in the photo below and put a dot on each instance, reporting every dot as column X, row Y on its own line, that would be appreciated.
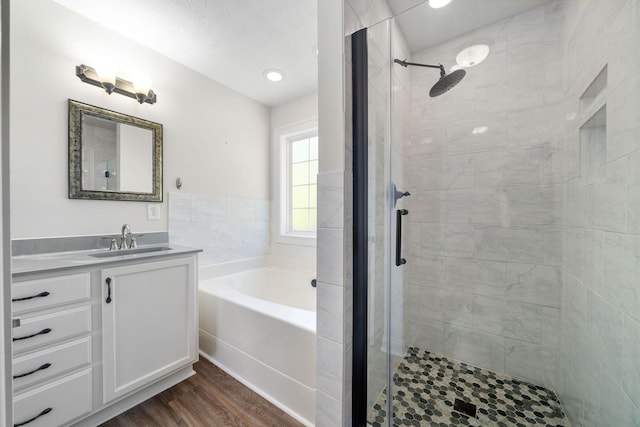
column 126, row 230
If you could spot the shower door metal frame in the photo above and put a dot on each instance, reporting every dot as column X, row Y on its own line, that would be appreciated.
column 359, row 75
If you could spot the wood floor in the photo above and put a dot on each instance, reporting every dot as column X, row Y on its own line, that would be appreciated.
column 211, row 398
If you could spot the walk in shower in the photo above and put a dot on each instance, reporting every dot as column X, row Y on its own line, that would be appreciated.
column 497, row 225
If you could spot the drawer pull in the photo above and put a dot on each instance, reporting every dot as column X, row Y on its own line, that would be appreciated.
column 44, row 412
column 108, row 300
column 43, row 367
column 40, row 295
column 42, row 332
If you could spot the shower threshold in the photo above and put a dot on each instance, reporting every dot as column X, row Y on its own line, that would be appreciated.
column 427, row 385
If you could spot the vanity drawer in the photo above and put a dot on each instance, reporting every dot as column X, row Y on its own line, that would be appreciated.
column 59, row 402
column 43, row 293
column 38, row 330
column 48, row 363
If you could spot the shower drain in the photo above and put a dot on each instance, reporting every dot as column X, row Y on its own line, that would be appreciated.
column 464, row 408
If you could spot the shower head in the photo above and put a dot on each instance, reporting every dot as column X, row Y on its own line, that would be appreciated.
column 446, row 82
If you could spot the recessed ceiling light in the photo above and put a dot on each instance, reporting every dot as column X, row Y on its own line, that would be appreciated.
column 473, row 55
column 273, row 75
column 437, row 4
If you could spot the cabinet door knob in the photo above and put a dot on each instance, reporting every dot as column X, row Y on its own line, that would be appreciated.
column 44, row 412
column 108, row 300
column 42, row 332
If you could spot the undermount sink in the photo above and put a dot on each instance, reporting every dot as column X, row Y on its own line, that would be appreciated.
column 130, row 251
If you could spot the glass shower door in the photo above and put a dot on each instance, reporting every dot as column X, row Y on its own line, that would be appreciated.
column 386, row 324
column 379, row 221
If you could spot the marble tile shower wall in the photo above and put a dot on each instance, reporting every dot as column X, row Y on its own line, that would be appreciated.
column 226, row 228
column 485, row 172
column 600, row 324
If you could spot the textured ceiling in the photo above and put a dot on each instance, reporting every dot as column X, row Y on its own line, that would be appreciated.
column 234, row 41
column 230, row 41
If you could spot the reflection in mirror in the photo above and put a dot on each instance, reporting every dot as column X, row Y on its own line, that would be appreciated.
column 113, row 156
column 116, row 156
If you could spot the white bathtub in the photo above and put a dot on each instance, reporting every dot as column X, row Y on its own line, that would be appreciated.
column 260, row 326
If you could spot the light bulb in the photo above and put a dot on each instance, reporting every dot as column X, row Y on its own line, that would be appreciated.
column 107, row 76
column 141, row 88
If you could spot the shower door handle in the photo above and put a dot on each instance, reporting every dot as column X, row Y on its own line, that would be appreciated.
column 399, row 214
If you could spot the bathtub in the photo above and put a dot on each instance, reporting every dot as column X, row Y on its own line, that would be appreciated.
column 259, row 326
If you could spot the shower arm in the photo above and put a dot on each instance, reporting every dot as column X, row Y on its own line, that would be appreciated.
column 406, row 64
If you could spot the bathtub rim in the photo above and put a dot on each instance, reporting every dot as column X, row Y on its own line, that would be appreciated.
column 297, row 317
column 210, row 271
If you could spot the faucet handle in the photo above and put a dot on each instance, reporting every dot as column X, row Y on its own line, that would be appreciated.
column 134, row 243
column 113, row 245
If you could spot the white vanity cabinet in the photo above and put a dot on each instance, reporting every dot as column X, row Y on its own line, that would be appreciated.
column 52, row 374
column 148, row 323
column 101, row 338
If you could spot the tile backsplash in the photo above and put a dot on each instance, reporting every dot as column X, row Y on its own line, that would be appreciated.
column 226, row 228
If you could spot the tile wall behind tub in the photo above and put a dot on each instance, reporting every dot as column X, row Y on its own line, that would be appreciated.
column 599, row 361
column 484, row 211
column 226, row 228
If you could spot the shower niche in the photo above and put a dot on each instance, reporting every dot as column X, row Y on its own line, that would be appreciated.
column 593, row 132
column 593, row 148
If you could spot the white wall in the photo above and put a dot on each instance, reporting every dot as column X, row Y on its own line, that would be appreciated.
column 298, row 110
column 231, row 227
column 215, row 139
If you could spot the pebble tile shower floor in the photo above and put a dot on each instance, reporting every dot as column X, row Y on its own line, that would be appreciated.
column 427, row 384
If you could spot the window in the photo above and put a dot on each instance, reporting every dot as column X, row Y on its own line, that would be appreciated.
column 303, row 171
column 295, row 173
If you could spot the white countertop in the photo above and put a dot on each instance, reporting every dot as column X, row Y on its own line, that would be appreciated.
column 60, row 261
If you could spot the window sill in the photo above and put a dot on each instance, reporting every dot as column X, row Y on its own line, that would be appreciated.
column 299, row 240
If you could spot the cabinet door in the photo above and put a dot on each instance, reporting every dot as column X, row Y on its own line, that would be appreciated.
column 148, row 323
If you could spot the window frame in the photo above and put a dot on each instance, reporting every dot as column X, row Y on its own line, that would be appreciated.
column 281, row 228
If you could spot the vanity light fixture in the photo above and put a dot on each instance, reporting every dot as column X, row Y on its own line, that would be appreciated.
column 138, row 90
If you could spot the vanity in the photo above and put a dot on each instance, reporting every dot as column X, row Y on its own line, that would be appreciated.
column 101, row 324
column 97, row 332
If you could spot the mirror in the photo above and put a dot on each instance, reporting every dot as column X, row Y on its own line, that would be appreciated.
column 113, row 156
